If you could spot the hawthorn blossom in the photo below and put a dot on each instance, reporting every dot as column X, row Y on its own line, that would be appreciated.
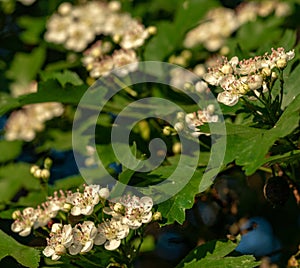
column 83, row 237
column 192, row 121
column 61, row 238
column 238, row 78
column 24, row 221
column 135, row 36
column 137, row 211
column 83, row 203
column 126, row 59
column 110, row 233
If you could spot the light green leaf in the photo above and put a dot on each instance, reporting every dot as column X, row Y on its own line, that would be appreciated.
column 33, row 28
column 25, row 66
column 28, row 257
column 174, row 208
column 249, row 146
column 13, row 177
column 63, row 77
column 213, row 254
column 9, row 150
column 171, row 34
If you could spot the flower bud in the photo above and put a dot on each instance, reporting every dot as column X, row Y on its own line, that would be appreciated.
column 45, row 174
column 281, row 63
column 152, row 30
column 266, row 71
column 156, row 216
column 167, row 131
column 118, row 207
column 16, row 214
column 104, row 193
column 33, row 169
column 179, row 126
column 176, row 148
column 48, row 163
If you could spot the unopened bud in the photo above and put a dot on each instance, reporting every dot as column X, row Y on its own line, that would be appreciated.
column 156, row 216
column 16, row 214
column 45, row 174
column 33, row 169
column 67, row 207
column 48, row 163
column 226, row 69
column 117, row 38
column 266, row 71
column 167, row 131
column 118, row 207
column 179, row 126
column 176, row 148
column 104, row 193
column 152, row 30
column 281, row 63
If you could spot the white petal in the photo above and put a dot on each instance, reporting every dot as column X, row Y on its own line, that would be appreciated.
column 99, row 239
column 75, row 249
column 147, row 203
column 147, row 217
column 55, row 257
column 227, row 98
column 17, row 227
column 56, row 227
column 48, row 251
column 87, row 246
column 75, row 211
column 25, row 232
column 112, row 244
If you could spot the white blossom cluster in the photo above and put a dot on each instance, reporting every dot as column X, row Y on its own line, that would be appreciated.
column 98, row 63
column 33, row 218
column 126, row 213
column 77, row 26
column 221, row 22
column 191, row 122
column 237, row 78
column 24, row 123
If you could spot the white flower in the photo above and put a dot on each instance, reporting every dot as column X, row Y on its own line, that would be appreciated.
column 83, row 237
column 24, row 221
column 102, row 68
column 83, row 203
column 79, row 36
column 137, row 211
column 135, row 36
column 126, row 59
column 110, row 233
column 57, row 29
column 228, row 98
column 61, row 238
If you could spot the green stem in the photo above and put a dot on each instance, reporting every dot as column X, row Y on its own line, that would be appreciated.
column 281, row 87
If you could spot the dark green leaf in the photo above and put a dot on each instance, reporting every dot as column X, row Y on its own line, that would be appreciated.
column 28, row 257
column 10, row 150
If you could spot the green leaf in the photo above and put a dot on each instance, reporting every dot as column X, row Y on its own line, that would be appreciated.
column 63, row 77
column 25, row 66
column 33, row 28
column 213, row 254
column 174, row 208
column 291, row 86
column 251, row 35
column 249, row 146
column 10, row 150
column 171, row 34
column 13, row 178
column 26, row 256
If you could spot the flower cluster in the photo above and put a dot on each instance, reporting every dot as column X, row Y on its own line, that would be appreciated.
column 125, row 214
column 98, row 63
column 24, row 123
column 192, row 121
column 237, row 78
column 77, row 26
column 38, row 217
column 221, row 22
